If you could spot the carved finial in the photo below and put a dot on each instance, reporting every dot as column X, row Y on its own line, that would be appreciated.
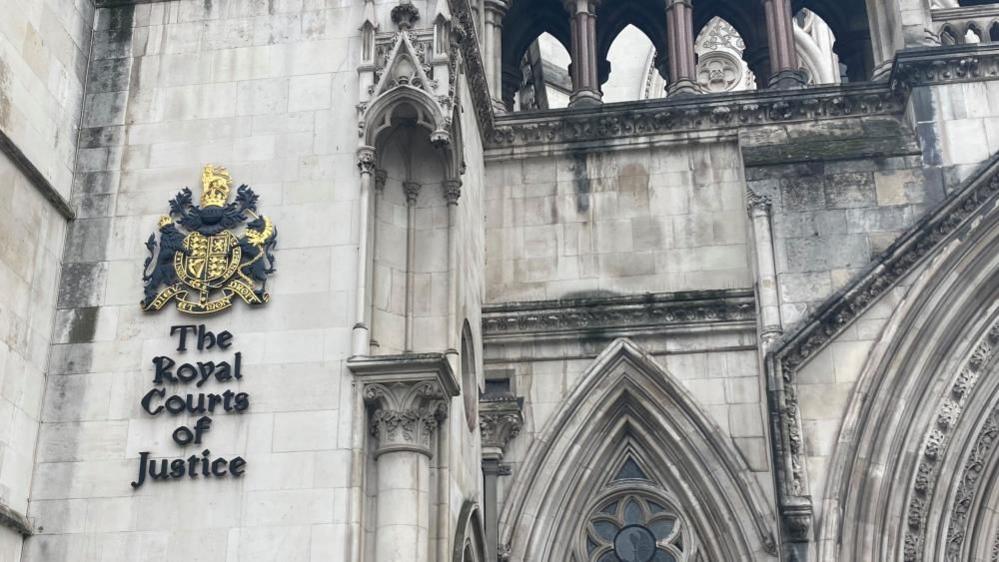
column 405, row 15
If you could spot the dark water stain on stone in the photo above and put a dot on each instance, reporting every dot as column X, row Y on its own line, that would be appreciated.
column 581, row 181
column 83, row 325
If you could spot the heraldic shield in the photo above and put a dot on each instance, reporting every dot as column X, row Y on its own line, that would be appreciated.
column 201, row 260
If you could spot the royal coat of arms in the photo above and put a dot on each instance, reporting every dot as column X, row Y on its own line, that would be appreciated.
column 201, row 259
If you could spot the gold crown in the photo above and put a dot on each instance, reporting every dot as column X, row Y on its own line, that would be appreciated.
column 215, row 182
column 165, row 220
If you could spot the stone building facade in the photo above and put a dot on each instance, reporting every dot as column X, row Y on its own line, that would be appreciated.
column 748, row 313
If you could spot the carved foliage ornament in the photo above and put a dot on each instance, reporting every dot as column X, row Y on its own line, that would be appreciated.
column 938, row 438
column 404, row 416
column 201, row 259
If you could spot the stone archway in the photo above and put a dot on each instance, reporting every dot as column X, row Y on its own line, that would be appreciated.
column 626, row 408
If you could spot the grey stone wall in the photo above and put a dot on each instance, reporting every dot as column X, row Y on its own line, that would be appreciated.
column 30, row 248
column 43, row 61
column 43, row 64
column 830, row 218
column 265, row 91
column 621, row 221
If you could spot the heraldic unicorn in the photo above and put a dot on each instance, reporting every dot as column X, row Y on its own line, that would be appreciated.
column 201, row 262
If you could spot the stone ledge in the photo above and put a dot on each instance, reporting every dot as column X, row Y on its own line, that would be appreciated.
column 670, row 119
column 405, row 367
column 561, row 318
column 15, row 520
column 926, row 66
column 35, row 176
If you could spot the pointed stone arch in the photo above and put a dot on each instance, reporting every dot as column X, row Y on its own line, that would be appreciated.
column 469, row 537
column 918, row 438
column 627, row 405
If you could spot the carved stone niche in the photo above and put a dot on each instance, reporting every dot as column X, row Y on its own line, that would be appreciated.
column 500, row 420
column 407, row 397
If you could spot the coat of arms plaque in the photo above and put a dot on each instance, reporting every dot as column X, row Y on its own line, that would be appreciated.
column 202, row 259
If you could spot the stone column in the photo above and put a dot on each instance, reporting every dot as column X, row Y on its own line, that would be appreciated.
column 585, row 86
column 682, row 60
column 770, row 326
column 361, row 336
column 492, row 42
column 500, row 420
column 381, row 176
column 452, row 191
column 412, row 190
column 407, row 397
column 404, row 417
column 780, row 39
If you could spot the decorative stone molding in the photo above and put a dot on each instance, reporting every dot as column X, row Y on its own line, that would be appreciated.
column 466, row 39
column 847, row 304
column 404, row 416
column 566, row 317
column 928, row 471
column 15, row 521
column 926, row 66
column 500, row 420
column 708, row 112
column 969, row 482
column 407, row 397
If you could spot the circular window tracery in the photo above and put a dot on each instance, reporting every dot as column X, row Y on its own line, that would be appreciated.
column 634, row 527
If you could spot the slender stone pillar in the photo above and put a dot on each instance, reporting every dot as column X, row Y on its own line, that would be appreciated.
column 495, row 11
column 404, row 417
column 770, row 325
column 452, row 191
column 682, row 60
column 381, row 176
column 780, row 38
column 500, row 420
column 412, row 190
column 585, row 85
column 361, row 337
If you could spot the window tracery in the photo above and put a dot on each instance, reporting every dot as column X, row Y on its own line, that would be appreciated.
column 633, row 521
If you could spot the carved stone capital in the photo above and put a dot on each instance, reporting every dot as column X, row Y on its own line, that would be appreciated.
column 452, row 191
column 404, row 415
column 407, row 396
column 581, row 6
column 381, row 176
column 366, row 159
column 498, row 7
column 500, row 420
column 405, row 15
column 757, row 203
column 412, row 190
column 797, row 521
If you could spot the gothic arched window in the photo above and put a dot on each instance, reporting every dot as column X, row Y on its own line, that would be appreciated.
column 634, row 521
